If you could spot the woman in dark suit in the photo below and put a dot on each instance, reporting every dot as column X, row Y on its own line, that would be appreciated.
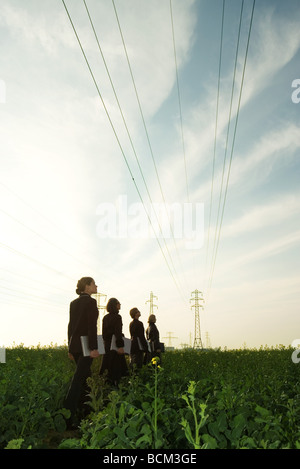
column 83, row 322
column 114, row 362
column 139, row 344
column 152, row 335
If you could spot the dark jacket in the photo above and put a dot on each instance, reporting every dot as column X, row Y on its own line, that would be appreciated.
column 152, row 335
column 83, row 321
column 136, row 329
column 112, row 325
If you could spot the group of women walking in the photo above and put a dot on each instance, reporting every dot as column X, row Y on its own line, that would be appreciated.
column 83, row 322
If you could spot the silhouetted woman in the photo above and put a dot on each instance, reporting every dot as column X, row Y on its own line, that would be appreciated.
column 139, row 345
column 152, row 335
column 83, row 322
column 114, row 362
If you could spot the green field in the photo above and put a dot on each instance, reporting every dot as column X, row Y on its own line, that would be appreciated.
column 196, row 399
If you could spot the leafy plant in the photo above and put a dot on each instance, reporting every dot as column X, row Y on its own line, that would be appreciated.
column 193, row 435
column 200, row 399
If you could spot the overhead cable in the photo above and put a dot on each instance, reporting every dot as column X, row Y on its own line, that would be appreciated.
column 128, row 133
column 215, row 136
column 179, row 102
column 117, row 138
column 233, row 143
column 144, row 123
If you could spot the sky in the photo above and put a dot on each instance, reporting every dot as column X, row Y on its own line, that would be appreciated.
column 154, row 146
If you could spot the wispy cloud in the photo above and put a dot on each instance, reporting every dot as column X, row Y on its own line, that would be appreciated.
column 268, row 249
column 274, row 213
column 60, row 156
column 253, row 167
column 274, row 42
column 264, row 154
column 31, row 29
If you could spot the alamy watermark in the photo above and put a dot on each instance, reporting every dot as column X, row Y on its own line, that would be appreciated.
column 2, row 92
column 2, row 355
column 296, row 353
column 184, row 221
column 296, row 92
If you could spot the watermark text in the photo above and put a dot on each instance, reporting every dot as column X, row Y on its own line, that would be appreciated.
column 183, row 221
column 2, row 355
column 296, row 92
column 296, row 353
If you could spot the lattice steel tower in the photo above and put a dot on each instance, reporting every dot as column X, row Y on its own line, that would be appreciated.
column 101, row 308
column 151, row 302
column 169, row 337
column 198, row 303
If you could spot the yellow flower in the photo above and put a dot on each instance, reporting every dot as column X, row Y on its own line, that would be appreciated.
column 155, row 361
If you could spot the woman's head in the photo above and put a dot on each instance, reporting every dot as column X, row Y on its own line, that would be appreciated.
column 86, row 285
column 113, row 305
column 134, row 313
column 152, row 318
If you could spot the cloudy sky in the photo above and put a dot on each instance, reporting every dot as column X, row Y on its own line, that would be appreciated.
column 155, row 147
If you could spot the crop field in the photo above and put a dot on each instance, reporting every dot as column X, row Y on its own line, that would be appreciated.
column 192, row 400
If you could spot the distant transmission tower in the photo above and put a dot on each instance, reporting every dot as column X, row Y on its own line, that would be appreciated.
column 169, row 336
column 197, row 298
column 208, row 342
column 151, row 302
column 100, row 307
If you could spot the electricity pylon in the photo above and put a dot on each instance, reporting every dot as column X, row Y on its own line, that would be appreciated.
column 100, row 307
column 169, row 336
column 208, row 343
column 151, row 302
column 198, row 297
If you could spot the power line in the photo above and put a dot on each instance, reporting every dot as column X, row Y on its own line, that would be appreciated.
column 233, row 142
column 181, row 120
column 41, row 236
column 22, row 254
column 27, row 303
column 41, row 215
column 127, row 130
column 35, row 280
column 117, row 138
column 143, row 120
column 179, row 102
column 215, row 136
column 138, row 99
column 17, row 293
column 26, row 297
column 229, row 121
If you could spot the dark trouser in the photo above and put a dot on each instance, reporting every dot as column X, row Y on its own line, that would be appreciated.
column 78, row 386
column 115, row 366
column 137, row 359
